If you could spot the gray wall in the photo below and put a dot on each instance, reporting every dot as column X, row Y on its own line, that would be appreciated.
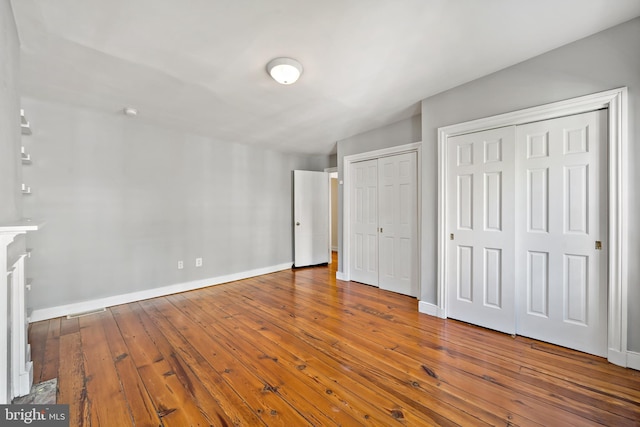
column 124, row 201
column 607, row 60
column 10, row 167
column 399, row 133
column 10, row 136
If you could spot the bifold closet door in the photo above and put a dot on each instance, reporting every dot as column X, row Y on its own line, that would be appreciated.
column 561, row 231
column 384, row 223
column 480, row 203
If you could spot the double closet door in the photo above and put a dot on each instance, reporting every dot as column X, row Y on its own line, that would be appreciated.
column 383, row 223
column 527, row 220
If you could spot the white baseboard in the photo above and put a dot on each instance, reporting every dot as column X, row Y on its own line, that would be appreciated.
column 633, row 360
column 85, row 306
column 341, row 276
column 430, row 309
column 617, row 357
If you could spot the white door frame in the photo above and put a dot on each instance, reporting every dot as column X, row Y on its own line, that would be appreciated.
column 415, row 147
column 330, row 171
column 617, row 146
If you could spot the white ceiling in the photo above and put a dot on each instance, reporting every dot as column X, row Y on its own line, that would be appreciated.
column 199, row 65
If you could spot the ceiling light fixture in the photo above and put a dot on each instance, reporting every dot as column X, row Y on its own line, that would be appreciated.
column 284, row 70
column 128, row 111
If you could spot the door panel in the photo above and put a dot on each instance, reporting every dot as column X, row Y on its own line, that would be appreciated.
column 364, row 222
column 480, row 203
column 562, row 169
column 398, row 223
column 311, row 218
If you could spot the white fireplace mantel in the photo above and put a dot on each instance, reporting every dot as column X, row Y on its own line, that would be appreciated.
column 16, row 375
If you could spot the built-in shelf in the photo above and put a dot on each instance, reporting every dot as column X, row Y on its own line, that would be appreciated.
column 26, row 158
column 24, row 124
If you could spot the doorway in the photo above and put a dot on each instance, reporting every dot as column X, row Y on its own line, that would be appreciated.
column 334, row 194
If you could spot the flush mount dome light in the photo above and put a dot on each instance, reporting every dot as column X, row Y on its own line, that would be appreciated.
column 129, row 111
column 284, row 70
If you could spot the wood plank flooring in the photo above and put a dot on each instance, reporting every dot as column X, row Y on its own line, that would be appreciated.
column 299, row 348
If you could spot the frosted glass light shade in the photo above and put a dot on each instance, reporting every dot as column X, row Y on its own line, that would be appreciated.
column 284, row 70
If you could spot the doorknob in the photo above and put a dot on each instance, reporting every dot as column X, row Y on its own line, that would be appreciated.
column 297, row 223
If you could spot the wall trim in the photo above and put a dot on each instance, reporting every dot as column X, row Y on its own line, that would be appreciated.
column 414, row 147
column 633, row 360
column 618, row 183
column 331, row 171
column 96, row 304
column 430, row 309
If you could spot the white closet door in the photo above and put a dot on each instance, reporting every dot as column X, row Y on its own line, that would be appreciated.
column 480, row 204
column 364, row 222
column 398, row 218
column 561, row 215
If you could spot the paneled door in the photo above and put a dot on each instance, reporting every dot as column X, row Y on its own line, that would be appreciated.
column 561, row 232
column 364, row 222
column 397, row 218
column 384, row 223
column 480, row 203
column 311, row 218
column 527, row 216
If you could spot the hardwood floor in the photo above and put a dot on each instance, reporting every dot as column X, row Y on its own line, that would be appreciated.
column 299, row 348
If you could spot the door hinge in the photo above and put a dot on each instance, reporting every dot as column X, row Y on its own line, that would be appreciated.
column 598, row 245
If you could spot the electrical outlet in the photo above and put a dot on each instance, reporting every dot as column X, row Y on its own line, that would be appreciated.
column 198, row 262
column 180, row 265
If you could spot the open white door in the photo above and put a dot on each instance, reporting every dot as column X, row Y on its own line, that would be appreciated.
column 310, row 218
